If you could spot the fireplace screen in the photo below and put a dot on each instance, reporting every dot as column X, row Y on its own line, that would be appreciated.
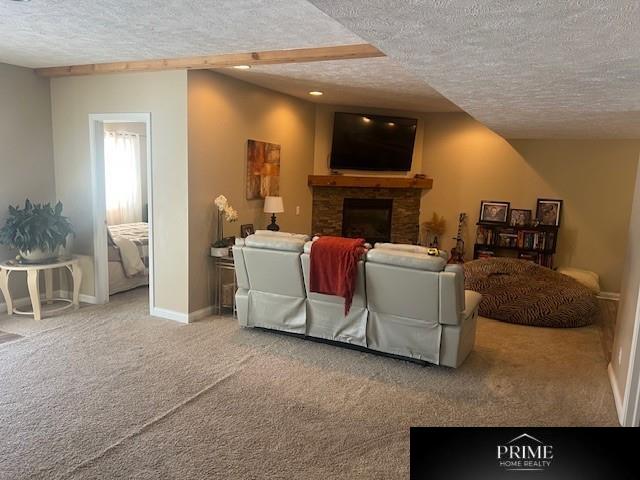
column 367, row 218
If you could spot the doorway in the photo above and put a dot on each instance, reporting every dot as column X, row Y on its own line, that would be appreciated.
column 121, row 160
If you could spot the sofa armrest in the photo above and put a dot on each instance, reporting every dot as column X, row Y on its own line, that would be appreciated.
column 472, row 302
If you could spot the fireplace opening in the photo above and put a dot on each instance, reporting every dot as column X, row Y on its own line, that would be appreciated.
column 367, row 218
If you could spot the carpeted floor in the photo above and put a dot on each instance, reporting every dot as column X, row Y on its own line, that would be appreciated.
column 109, row 392
column 8, row 337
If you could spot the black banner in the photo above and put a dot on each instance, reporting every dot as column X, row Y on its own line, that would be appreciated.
column 524, row 453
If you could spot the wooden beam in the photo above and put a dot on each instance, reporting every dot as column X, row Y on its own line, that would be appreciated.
column 297, row 55
column 369, row 182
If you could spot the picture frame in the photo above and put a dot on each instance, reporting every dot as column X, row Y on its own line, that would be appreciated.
column 548, row 211
column 519, row 217
column 495, row 212
column 246, row 230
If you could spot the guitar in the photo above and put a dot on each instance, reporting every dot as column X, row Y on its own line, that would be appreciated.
column 457, row 253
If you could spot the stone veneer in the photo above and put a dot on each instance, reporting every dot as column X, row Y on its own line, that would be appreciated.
column 326, row 217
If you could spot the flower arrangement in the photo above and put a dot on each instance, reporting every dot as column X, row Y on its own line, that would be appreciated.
column 225, row 212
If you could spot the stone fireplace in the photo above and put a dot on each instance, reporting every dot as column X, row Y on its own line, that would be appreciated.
column 333, row 204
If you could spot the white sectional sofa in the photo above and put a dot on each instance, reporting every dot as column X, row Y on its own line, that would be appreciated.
column 406, row 303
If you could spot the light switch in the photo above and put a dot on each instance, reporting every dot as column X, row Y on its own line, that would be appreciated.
column 298, row 210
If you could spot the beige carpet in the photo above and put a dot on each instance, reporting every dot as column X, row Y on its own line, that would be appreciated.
column 109, row 392
column 8, row 337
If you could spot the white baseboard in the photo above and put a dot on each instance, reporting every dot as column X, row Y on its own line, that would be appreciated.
column 84, row 298
column 617, row 394
column 17, row 302
column 170, row 315
column 609, row 296
column 23, row 301
column 182, row 317
column 202, row 313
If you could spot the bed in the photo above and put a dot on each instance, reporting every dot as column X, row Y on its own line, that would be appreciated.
column 128, row 248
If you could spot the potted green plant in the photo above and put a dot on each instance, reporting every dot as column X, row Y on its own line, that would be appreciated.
column 37, row 231
column 220, row 248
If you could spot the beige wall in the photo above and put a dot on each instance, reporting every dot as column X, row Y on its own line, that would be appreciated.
column 26, row 159
column 223, row 114
column 324, row 137
column 164, row 95
column 628, row 306
column 470, row 163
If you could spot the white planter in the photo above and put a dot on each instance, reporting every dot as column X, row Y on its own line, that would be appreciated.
column 219, row 251
column 37, row 255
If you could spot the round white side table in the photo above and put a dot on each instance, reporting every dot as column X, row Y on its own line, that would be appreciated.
column 33, row 270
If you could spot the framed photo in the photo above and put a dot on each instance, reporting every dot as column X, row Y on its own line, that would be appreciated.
column 246, row 230
column 519, row 217
column 548, row 211
column 494, row 212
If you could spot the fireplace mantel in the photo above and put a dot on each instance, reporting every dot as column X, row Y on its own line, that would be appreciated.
column 349, row 181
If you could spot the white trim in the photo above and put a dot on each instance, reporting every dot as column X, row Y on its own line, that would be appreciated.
column 100, row 253
column 202, row 313
column 609, row 296
column 617, row 397
column 84, row 298
column 632, row 386
column 169, row 315
column 24, row 301
column 17, row 302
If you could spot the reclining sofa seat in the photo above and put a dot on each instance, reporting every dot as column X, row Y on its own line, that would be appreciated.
column 325, row 313
column 271, row 291
column 418, row 307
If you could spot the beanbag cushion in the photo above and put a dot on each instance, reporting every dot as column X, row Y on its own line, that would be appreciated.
column 522, row 292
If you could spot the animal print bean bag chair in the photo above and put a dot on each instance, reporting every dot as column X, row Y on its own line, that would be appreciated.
column 519, row 291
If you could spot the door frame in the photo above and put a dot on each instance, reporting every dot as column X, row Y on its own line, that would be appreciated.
column 100, row 249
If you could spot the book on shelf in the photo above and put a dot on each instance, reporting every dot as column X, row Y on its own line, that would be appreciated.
column 534, row 243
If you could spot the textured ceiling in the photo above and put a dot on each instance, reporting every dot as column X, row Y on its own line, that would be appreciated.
column 527, row 69
column 371, row 82
column 44, row 33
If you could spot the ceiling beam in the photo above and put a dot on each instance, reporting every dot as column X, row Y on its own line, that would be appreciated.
column 297, row 55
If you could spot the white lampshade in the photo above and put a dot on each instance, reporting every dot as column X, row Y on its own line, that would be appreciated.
column 273, row 205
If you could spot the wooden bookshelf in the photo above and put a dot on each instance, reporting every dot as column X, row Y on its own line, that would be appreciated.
column 535, row 243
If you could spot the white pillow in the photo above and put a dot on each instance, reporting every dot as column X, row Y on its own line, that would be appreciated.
column 589, row 279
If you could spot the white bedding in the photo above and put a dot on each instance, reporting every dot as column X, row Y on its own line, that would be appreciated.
column 128, row 256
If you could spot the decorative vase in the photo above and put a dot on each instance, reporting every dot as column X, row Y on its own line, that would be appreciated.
column 219, row 251
column 37, row 255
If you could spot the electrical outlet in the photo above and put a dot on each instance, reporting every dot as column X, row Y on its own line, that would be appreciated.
column 298, row 210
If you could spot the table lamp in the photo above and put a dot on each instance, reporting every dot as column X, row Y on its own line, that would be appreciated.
column 273, row 205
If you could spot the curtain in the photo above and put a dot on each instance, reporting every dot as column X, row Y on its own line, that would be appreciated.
column 122, row 177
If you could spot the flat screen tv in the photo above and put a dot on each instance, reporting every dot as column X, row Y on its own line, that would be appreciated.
column 372, row 142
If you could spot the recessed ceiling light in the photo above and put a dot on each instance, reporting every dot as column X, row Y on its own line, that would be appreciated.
column 242, row 67
column 366, row 119
column 391, row 124
column 315, row 93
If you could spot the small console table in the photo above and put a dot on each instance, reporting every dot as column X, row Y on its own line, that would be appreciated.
column 33, row 270
column 220, row 265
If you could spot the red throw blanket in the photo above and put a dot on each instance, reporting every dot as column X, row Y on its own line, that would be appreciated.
column 334, row 267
